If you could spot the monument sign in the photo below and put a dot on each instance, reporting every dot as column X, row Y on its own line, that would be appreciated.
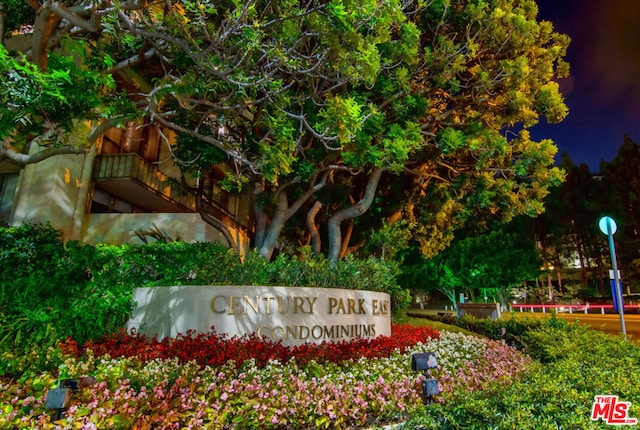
column 293, row 315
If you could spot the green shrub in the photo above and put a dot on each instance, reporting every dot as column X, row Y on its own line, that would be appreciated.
column 517, row 330
column 51, row 290
column 180, row 263
column 575, row 364
column 40, row 278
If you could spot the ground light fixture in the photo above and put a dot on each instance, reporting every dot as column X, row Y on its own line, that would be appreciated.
column 424, row 361
column 59, row 398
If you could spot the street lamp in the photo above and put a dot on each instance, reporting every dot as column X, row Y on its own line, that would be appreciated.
column 608, row 226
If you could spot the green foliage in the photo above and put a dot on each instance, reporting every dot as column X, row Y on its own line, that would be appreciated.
column 16, row 12
column 451, row 140
column 52, row 290
column 52, row 104
column 517, row 329
column 204, row 263
column 389, row 241
column 343, row 116
column 576, row 364
column 47, row 291
column 496, row 261
column 359, row 274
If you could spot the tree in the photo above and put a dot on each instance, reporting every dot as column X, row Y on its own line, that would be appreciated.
column 621, row 180
column 568, row 230
column 487, row 265
column 420, row 274
column 311, row 104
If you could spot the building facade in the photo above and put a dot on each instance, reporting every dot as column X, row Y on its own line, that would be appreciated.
column 126, row 189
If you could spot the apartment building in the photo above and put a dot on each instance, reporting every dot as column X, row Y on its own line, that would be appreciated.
column 125, row 187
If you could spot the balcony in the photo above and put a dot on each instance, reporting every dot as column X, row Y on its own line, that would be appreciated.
column 131, row 178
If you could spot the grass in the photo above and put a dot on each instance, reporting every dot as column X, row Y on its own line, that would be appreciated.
column 402, row 317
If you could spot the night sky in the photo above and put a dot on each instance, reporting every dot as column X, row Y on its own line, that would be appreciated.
column 603, row 90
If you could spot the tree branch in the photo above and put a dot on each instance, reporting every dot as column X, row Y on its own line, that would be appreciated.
column 76, row 20
column 102, row 128
column 231, row 153
column 335, row 235
column 8, row 153
column 132, row 61
column 42, row 30
column 284, row 212
column 313, row 228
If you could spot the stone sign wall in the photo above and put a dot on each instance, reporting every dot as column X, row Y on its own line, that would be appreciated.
column 294, row 315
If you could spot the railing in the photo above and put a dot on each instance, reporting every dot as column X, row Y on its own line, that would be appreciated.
column 590, row 308
column 217, row 211
column 134, row 167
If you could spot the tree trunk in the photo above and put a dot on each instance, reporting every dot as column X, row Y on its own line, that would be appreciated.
column 450, row 293
column 42, row 30
column 260, row 216
column 559, row 277
column 344, row 249
column 313, row 228
column 583, row 268
column 275, row 227
column 538, row 287
column 3, row 18
column 471, row 294
column 335, row 235
column 502, row 297
column 283, row 213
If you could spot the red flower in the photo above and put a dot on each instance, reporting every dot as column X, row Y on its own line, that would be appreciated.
column 216, row 349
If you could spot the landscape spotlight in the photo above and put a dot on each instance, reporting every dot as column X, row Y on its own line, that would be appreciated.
column 425, row 361
column 59, row 398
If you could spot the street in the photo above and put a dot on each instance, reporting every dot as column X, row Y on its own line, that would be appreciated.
column 608, row 323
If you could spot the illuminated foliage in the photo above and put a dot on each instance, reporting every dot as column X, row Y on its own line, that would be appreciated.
column 482, row 267
column 321, row 102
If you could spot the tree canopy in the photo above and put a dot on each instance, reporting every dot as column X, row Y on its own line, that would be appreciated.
column 568, row 231
column 488, row 266
column 324, row 108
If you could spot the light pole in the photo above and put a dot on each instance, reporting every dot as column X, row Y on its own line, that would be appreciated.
column 608, row 226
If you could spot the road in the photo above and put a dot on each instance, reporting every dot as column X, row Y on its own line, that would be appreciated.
column 608, row 323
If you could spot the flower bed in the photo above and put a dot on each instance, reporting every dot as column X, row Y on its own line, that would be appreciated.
column 356, row 384
column 216, row 349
